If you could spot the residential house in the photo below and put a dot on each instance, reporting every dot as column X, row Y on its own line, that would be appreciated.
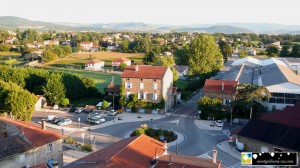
column 293, row 63
column 51, row 42
column 273, row 132
column 23, row 144
column 95, row 49
column 125, row 36
column 274, row 74
column 142, row 152
column 107, row 38
column 33, row 55
column 86, row 45
column 182, row 70
column 150, row 83
column 251, row 52
column 40, row 103
column 168, row 54
column 117, row 35
column 66, row 42
column 94, row 65
column 10, row 40
column 224, row 90
column 112, row 46
column 117, row 62
column 275, row 44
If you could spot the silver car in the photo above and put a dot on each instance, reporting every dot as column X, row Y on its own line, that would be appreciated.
column 65, row 121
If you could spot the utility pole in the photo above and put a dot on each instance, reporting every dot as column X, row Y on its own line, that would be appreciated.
column 250, row 112
column 231, row 118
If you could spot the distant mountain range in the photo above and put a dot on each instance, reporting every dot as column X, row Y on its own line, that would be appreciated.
column 11, row 22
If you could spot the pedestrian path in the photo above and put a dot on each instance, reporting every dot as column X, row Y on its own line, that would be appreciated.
column 184, row 116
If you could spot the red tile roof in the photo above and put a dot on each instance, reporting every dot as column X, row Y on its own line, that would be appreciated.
column 216, row 86
column 94, row 61
column 148, row 72
column 289, row 116
column 131, row 152
column 36, row 135
column 124, row 59
column 179, row 161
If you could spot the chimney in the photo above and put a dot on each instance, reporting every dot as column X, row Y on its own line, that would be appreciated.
column 44, row 124
column 166, row 148
column 222, row 86
column 136, row 68
column 215, row 156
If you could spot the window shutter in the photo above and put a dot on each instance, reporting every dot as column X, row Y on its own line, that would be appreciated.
column 145, row 96
column 139, row 96
column 130, row 85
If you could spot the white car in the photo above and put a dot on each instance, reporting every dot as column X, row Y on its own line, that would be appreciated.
column 65, row 121
column 50, row 118
column 219, row 123
column 79, row 110
column 95, row 119
column 112, row 113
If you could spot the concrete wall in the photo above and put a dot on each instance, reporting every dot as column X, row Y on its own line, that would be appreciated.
column 36, row 156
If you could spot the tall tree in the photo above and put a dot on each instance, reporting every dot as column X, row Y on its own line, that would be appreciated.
column 167, row 61
column 205, row 56
column 125, row 45
column 272, row 51
column 284, row 51
column 182, row 55
column 295, row 51
column 226, row 49
column 54, row 88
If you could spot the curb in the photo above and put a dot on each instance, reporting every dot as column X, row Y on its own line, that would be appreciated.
column 228, row 152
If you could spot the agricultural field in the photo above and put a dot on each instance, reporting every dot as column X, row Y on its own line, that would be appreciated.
column 78, row 59
column 8, row 53
column 101, row 79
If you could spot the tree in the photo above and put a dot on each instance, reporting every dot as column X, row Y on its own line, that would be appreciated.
column 272, row 51
column 4, row 47
column 295, row 51
column 167, row 61
column 54, row 88
column 49, row 56
column 64, row 101
column 284, row 51
column 149, row 58
column 182, row 55
column 123, row 66
column 226, row 49
column 134, row 103
column 205, row 56
column 250, row 96
column 210, row 107
column 104, row 104
column 125, row 45
column 242, row 54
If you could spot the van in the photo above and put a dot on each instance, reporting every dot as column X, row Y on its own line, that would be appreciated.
column 49, row 118
column 95, row 119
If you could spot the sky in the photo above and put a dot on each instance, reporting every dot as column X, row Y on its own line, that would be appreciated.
column 174, row 12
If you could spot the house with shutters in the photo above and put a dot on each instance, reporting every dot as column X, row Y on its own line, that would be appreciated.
column 117, row 62
column 86, row 45
column 150, row 83
column 224, row 90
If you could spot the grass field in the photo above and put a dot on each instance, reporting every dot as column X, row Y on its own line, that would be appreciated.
column 80, row 58
column 101, row 79
column 8, row 53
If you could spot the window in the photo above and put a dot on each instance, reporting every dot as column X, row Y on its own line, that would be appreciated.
column 141, row 96
column 226, row 101
column 141, row 85
column 49, row 148
column 141, row 79
column 128, row 85
column 154, row 96
column 154, row 85
column 127, row 95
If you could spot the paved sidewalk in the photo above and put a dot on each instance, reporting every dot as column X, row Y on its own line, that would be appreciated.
column 206, row 125
column 225, row 146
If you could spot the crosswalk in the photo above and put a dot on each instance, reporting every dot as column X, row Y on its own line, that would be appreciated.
column 184, row 116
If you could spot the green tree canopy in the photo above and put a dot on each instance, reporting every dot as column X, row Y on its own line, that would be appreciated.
column 284, row 51
column 167, row 61
column 205, row 56
column 272, row 51
column 226, row 49
column 242, row 54
column 295, row 51
column 54, row 88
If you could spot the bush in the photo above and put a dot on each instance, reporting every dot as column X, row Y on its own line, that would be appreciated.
column 87, row 147
column 69, row 140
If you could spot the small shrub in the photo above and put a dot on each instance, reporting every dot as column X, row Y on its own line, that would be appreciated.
column 87, row 147
column 69, row 140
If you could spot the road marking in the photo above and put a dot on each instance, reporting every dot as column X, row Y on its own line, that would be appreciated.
column 195, row 117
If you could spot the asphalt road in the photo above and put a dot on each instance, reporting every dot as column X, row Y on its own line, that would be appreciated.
column 197, row 142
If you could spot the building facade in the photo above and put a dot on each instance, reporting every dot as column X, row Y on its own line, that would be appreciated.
column 150, row 83
column 94, row 65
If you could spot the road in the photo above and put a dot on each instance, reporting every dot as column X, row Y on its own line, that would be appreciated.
column 197, row 142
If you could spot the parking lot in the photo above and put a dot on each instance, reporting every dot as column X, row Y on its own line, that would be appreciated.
column 75, row 117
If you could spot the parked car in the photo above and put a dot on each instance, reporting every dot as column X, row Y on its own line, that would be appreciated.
column 112, row 113
column 87, row 110
column 56, row 120
column 219, row 123
column 95, row 119
column 79, row 110
column 49, row 118
column 72, row 109
column 65, row 121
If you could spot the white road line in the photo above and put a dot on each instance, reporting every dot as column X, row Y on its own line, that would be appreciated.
column 195, row 117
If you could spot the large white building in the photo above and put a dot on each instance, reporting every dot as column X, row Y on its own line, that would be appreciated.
column 94, row 65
